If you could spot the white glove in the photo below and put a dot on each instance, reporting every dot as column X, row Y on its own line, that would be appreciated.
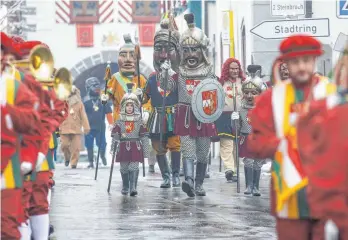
column 167, row 66
column 138, row 92
column 110, row 127
column 293, row 118
column 104, row 97
column 235, row 115
column 146, row 160
column 26, row 167
column 40, row 159
column 145, row 117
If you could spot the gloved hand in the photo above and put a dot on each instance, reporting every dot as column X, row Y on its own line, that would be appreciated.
column 235, row 115
column 104, row 98
column 110, row 127
column 26, row 167
column 145, row 117
column 167, row 66
column 293, row 118
column 138, row 92
column 40, row 159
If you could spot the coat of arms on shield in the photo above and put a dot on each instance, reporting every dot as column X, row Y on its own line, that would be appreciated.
column 129, row 127
column 191, row 84
column 210, row 101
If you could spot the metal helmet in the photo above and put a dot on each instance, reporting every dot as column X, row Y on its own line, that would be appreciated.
column 254, row 80
column 133, row 99
column 162, row 35
column 194, row 36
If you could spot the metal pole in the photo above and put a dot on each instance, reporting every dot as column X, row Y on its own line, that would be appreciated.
column 112, row 168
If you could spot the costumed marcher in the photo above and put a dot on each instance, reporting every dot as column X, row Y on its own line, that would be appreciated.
column 251, row 87
column 130, row 138
column 70, row 130
column 94, row 110
column 232, row 76
column 41, row 187
column 30, row 145
column 154, row 92
column 322, row 143
column 194, row 135
column 117, row 86
column 18, row 116
column 273, row 122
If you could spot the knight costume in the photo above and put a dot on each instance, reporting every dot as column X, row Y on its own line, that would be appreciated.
column 194, row 135
column 130, row 138
column 251, row 87
column 154, row 92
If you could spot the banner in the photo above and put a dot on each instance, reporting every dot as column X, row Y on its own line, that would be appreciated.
column 84, row 35
column 146, row 34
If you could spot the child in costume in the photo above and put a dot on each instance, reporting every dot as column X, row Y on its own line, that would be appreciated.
column 251, row 87
column 130, row 141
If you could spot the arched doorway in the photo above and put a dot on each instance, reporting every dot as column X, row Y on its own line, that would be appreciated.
column 94, row 66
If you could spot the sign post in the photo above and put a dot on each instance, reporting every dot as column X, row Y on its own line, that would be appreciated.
column 288, row 8
column 315, row 27
column 342, row 8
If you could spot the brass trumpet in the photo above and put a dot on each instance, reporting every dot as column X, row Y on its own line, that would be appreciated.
column 41, row 65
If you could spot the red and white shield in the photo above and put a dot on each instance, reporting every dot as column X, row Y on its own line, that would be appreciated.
column 209, row 101
column 161, row 91
column 191, row 84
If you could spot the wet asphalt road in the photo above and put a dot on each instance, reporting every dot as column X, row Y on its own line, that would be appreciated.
column 81, row 208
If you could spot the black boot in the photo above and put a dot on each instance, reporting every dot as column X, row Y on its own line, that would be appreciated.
column 200, row 174
column 187, row 185
column 102, row 156
column 256, row 182
column 133, row 178
column 90, row 154
column 151, row 168
column 248, row 172
column 164, row 167
column 176, row 168
column 182, row 172
column 125, row 183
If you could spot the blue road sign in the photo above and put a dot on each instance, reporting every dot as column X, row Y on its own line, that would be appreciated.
column 342, row 8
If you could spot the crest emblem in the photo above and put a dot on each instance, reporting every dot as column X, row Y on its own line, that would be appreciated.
column 191, row 85
column 161, row 91
column 229, row 91
column 208, row 100
column 129, row 127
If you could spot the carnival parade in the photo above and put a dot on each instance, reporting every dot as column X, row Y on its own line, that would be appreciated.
column 181, row 146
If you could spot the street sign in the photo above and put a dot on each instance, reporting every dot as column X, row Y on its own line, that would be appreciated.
column 342, row 8
column 315, row 27
column 288, row 8
column 28, row 10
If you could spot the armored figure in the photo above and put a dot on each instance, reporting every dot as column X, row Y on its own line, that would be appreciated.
column 194, row 135
column 166, row 46
column 117, row 86
column 94, row 110
column 130, row 138
column 251, row 87
column 232, row 77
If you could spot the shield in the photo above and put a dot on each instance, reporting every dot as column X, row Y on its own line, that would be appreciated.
column 191, row 84
column 208, row 100
column 323, row 146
